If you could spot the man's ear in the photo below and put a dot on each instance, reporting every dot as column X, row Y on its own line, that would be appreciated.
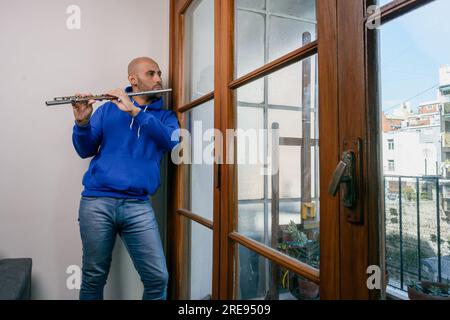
column 132, row 80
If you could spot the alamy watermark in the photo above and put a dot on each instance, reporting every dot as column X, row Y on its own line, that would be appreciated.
column 73, row 281
column 373, row 17
column 374, row 281
column 206, row 147
column 73, row 22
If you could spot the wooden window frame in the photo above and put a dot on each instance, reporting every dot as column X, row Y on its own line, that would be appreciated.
column 356, row 54
column 225, row 236
column 226, row 96
column 178, row 215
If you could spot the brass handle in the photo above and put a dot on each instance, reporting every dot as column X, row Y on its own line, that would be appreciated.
column 345, row 175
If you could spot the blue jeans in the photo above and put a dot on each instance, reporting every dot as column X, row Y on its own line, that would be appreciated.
column 101, row 219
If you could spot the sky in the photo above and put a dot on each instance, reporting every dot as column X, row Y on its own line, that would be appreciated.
column 413, row 47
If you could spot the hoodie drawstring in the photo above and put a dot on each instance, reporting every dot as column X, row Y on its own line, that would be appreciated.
column 132, row 122
column 139, row 129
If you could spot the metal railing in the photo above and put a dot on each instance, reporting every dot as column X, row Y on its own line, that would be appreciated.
column 410, row 253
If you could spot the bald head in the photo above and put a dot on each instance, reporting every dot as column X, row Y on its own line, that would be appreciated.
column 136, row 64
column 144, row 75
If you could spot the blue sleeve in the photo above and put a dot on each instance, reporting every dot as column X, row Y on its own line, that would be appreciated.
column 87, row 139
column 164, row 132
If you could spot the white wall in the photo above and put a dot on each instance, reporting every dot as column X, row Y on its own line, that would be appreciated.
column 40, row 173
column 409, row 152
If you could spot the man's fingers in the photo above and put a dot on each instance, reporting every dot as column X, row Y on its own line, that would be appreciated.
column 114, row 93
column 117, row 92
column 78, row 106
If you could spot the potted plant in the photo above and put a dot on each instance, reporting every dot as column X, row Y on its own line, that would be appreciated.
column 296, row 244
column 427, row 290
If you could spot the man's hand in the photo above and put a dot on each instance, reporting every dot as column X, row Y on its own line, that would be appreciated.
column 123, row 102
column 83, row 110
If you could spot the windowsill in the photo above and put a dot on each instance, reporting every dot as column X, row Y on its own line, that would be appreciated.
column 396, row 294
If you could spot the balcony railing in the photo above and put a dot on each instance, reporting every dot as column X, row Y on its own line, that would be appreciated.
column 417, row 229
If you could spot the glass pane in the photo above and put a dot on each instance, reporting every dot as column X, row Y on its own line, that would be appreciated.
column 252, row 93
column 281, row 84
column 251, row 4
column 250, row 54
column 256, row 281
column 291, row 165
column 290, row 177
column 250, row 180
column 287, row 34
column 302, row 9
column 290, row 122
column 414, row 79
column 297, row 230
column 200, row 173
column 200, row 258
column 384, row 2
column 199, row 49
column 253, row 221
column 298, row 235
column 289, row 211
column 265, row 35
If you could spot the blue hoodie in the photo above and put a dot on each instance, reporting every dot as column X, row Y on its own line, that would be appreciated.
column 127, row 151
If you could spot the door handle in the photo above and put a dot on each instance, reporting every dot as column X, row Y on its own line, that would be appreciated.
column 345, row 176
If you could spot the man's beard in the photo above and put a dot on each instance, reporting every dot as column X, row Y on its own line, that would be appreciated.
column 146, row 98
column 155, row 88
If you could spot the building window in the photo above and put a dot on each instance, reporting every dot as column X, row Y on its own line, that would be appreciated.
column 391, row 144
column 391, row 165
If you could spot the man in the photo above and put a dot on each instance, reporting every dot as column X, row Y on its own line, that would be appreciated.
column 127, row 138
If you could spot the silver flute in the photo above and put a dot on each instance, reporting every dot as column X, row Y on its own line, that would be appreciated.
column 74, row 99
